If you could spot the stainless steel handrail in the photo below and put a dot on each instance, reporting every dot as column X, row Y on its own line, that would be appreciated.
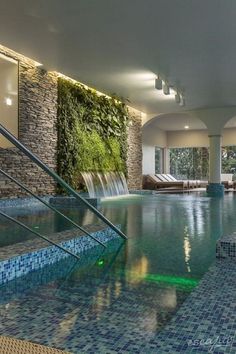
column 56, row 177
column 38, row 234
column 50, row 206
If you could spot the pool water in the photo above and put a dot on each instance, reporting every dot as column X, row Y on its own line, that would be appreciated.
column 119, row 299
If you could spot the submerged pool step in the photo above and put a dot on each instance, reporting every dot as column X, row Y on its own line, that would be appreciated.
column 20, row 259
column 226, row 247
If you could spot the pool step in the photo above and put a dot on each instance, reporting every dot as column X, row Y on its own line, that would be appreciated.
column 226, row 247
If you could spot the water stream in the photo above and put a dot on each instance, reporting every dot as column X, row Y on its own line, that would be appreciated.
column 106, row 184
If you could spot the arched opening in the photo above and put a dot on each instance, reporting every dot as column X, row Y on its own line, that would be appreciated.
column 177, row 144
column 229, row 147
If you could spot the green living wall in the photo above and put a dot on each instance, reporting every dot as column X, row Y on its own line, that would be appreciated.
column 92, row 132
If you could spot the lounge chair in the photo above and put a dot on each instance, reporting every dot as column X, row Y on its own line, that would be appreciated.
column 191, row 183
column 154, row 182
column 227, row 180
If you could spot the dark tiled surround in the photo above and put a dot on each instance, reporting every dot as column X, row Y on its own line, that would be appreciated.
column 226, row 247
column 68, row 202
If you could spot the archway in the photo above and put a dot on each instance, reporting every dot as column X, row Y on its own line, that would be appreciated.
column 166, row 132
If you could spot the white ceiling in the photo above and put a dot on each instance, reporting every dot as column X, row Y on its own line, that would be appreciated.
column 178, row 121
column 120, row 46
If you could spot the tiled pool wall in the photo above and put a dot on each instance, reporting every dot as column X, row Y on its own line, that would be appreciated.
column 57, row 270
column 21, row 265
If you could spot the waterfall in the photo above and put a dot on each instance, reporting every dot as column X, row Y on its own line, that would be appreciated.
column 106, row 184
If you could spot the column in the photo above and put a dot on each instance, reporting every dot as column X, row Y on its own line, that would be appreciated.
column 215, row 188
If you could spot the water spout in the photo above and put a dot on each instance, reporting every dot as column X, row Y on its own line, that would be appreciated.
column 106, row 184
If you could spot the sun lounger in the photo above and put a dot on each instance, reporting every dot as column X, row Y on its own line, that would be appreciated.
column 227, row 180
column 154, row 182
column 170, row 178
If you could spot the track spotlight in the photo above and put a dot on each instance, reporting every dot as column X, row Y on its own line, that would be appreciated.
column 177, row 97
column 182, row 101
column 166, row 89
column 158, row 83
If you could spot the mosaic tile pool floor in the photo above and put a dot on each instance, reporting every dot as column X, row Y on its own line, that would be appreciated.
column 123, row 318
column 91, row 311
column 123, row 303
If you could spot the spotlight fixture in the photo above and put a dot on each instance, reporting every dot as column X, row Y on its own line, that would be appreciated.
column 182, row 101
column 158, row 83
column 177, row 97
column 166, row 89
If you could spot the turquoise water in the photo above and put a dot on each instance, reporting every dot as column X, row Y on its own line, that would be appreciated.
column 121, row 299
column 173, row 232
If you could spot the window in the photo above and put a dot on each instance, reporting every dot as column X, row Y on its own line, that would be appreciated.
column 8, row 97
column 228, row 159
column 158, row 159
column 189, row 163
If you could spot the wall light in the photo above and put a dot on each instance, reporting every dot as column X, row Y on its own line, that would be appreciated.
column 8, row 101
column 186, row 127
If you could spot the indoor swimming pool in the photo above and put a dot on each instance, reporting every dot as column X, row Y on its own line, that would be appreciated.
column 117, row 300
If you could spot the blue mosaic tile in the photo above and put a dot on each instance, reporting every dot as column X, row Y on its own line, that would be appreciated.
column 22, row 264
column 226, row 247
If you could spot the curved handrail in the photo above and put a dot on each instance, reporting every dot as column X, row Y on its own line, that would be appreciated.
column 38, row 234
column 50, row 207
column 56, row 177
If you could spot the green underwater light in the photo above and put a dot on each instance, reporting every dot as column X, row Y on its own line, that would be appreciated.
column 100, row 262
column 172, row 280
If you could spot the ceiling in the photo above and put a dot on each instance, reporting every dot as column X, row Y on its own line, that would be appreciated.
column 120, row 46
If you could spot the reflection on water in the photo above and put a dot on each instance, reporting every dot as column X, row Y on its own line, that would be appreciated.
column 127, row 293
column 167, row 233
column 187, row 248
column 133, row 290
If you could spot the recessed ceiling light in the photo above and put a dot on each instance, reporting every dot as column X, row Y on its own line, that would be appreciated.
column 186, row 127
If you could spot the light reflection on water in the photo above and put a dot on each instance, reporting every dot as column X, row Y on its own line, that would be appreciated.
column 174, row 233
column 136, row 290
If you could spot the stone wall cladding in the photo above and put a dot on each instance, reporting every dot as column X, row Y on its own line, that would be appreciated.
column 37, row 130
column 134, row 158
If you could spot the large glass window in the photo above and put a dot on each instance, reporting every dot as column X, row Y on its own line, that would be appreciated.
column 229, row 159
column 8, row 97
column 158, row 159
column 189, row 163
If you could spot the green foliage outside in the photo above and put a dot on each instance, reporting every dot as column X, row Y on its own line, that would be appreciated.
column 193, row 163
column 158, row 159
column 92, row 132
column 189, row 163
column 229, row 159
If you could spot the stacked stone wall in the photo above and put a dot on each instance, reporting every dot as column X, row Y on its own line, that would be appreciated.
column 134, row 158
column 37, row 99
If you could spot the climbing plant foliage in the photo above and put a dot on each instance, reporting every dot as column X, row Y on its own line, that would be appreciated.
column 92, row 132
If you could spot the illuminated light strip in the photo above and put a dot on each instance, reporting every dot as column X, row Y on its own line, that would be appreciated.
column 6, row 57
column 9, row 52
column 84, row 85
column 171, row 280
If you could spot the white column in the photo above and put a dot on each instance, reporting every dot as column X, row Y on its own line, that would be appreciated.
column 166, row 160
column 215, row 159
